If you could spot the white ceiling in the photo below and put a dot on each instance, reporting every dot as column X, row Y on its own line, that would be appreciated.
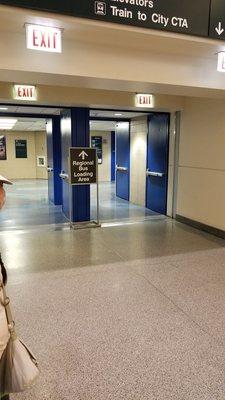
column 29, row 110
column 28, row 124
column 38, row 124
column 112, row 114
column 110, row 125
column 102, row 125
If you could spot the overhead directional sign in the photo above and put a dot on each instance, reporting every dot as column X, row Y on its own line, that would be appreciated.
column 82, row 166
column 217, row 19
column 182, row 16
column 201, row 17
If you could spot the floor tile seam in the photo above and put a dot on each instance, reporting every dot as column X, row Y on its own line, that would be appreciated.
column 216, row 341
column 105, row 242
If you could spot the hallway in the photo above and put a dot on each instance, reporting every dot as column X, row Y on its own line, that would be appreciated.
column 126, row 312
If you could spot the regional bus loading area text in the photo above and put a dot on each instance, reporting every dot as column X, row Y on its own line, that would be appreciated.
column 83, row 170
column 155, row 17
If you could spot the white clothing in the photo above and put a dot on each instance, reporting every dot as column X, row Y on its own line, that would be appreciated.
column 4, row 332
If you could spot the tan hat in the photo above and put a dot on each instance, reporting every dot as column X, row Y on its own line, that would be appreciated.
column 5, row 180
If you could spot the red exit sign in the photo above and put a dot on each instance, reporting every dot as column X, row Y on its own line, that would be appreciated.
column 144, row 100
column 44, row 38
column 25, row 92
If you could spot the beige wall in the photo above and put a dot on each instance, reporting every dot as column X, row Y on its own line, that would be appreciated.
column 134, row 59
column 138, row 155
column 104, row 169
column 41, row 150
column 19, row 168
column 23, row 168
column 201, row 184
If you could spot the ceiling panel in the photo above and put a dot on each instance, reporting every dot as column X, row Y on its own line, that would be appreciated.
column 115, row 114
column 28, row 124
column 102, row 126
column 30, row 110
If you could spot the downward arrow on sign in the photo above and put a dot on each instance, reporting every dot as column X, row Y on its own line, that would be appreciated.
column 219, row 29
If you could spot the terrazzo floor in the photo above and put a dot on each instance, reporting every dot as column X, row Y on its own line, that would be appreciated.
column 127, row 312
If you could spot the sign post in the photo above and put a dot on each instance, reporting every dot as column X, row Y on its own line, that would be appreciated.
column 83, row 170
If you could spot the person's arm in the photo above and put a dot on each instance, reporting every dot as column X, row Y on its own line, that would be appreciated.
column 3, row 270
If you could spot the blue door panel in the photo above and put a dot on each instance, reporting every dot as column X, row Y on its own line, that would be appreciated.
column 54, row 160
column 113, row 157
column 49, row 132
column 157, row 162
column 123, row 160
column 66, row 144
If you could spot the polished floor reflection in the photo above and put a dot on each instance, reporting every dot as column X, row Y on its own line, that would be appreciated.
column 113, row 208
column 126, row 312
column 28, row 205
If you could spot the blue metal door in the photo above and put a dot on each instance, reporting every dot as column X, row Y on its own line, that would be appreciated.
column 54, row 160
column 49, row 132
column 123, row 160
column 66, row 129
column 157, row 162
column 113, row 156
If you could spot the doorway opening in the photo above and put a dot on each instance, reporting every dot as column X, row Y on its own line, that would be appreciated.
column 131, row 148
column 24, row 160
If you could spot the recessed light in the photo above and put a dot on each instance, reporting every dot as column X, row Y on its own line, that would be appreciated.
column 4, row 108
column 6, row 127
column 7, row 123
column 118, row 114
column 11, row 121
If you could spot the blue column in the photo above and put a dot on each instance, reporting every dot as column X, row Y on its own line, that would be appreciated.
column 57, row 160
column 80, row 138
column 75, row 133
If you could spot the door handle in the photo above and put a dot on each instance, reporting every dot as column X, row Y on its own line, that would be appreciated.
column 122, row 169
column 63, row 175
column 49, row 169
column 154, row 173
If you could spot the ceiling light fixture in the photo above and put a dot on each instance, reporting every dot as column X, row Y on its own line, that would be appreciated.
column 118, row 114
column 4, row 108
column 7, row 123
column 6, row 127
